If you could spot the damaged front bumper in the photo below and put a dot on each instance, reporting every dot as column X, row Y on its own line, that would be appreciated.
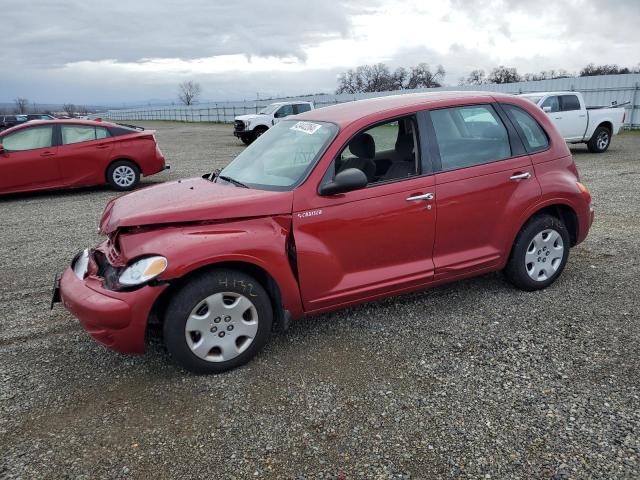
column 118, row 320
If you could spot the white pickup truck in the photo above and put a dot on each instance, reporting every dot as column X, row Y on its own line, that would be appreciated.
column 249, row 127
column 578, row 123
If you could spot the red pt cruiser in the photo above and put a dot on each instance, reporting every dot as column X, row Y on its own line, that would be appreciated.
column 328, row 209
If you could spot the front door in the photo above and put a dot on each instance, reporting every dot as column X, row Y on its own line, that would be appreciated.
column 29, row 159
column 376, row 240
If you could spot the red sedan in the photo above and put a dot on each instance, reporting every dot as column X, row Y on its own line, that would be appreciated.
column 50, row 154
column 331, row 208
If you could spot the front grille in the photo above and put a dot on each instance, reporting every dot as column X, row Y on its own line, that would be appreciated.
column 238, row 126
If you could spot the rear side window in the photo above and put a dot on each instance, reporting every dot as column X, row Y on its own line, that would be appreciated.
column 470, row 136
column 302, row 107
column 534, row 137
column 82, row 133
column 569, row 102
column 29, row 139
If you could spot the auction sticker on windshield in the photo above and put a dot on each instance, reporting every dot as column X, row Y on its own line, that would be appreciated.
column 307, row 127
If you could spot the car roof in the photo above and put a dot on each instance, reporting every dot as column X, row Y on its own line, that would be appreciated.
column 344, row 114
column 544, row 94
column 60, row 121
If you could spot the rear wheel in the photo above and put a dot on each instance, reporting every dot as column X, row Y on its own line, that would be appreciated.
column 600, row 140
column 217, row 321
column 539, row 253
column 123, row 175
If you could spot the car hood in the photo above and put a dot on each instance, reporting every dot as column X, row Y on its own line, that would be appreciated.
column 191, row 200
column 251, row 116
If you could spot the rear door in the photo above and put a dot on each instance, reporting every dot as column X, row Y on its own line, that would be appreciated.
column 574, row 119
column 29, row 159
column 84, row 153
column 373, row 241
column 484, row 181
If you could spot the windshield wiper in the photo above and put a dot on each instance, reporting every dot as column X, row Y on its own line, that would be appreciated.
column 232, row 180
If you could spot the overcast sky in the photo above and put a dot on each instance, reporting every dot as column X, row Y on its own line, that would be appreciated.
column 90, row 52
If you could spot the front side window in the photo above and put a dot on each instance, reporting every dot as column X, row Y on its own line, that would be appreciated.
column 28, row 139
column 468, row 136
column 535, row 138
column 569, row 103
column 284, row 111
column 386, row 152
column 281, row 158
column 82, row 133
column 552, row 104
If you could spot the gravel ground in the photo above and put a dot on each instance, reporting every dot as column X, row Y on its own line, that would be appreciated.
column 469, row 380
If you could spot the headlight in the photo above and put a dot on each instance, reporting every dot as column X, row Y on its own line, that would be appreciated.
column 142, row 271
column 247, row 123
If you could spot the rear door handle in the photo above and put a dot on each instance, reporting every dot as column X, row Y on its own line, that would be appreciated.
column 423, row 196
column 102, row 146
column 47, row 154
column 520, row 176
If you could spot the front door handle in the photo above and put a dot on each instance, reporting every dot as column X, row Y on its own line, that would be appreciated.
column 102, row 146
column 424, row 196
column 520, row 176
column 47, row 154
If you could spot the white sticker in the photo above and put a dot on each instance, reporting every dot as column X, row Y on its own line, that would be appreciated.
column 307, row 127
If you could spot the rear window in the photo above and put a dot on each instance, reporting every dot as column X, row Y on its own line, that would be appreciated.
column 534, row 137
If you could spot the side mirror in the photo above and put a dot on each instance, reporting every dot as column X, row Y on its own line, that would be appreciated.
column 345, row 181
column 546, row 109
column 279, row 115
column 1, row 148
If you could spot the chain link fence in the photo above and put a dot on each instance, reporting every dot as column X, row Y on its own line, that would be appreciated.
column 603, row 90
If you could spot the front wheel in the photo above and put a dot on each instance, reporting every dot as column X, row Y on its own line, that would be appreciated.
column 600, row 140
column 123, row 175
column 218, row 321
column 539, row 253
column 247, row 138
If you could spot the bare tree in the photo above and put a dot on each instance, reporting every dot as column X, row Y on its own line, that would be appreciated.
column 188, row 92
column 504, row 74
column 69, row 109
column 22, row 104
column 421, row 76
column 475, row 77
column 82, row 110
column 378, row 78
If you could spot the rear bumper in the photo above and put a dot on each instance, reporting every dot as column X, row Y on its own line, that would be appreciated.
column 118, row 320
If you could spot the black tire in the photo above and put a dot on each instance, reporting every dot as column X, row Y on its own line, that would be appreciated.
column 193, row 294
column 259, row 131
column 517, row 269
column 247, row 138
column 600, row 140
column 115, row 178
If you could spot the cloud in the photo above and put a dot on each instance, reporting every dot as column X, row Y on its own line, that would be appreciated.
column 109, row 53
column 56, row 32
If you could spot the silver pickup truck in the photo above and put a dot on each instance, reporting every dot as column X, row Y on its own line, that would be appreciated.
column 578, row 123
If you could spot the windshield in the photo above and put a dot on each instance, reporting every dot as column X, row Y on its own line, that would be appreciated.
column 269, row 109
column 533, row 100
column 281, row 157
